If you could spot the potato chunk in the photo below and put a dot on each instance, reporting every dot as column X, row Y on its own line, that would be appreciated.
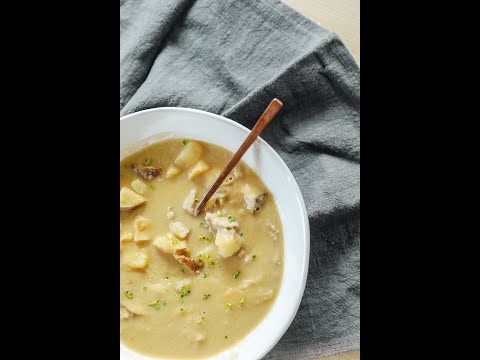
column 130, row 200
column 172, row 171
column 138, row 261
column 126, row 238
column 228, row 242
column 190, row 154
column 198, row 169
column 167, row 245
column 139, row 186
column 216, row 222
column 254, row 198
column 124, row 313
column 142, row 228
column 189, row 202
column 179, row 230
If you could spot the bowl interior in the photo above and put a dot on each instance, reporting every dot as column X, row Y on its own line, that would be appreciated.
column 146, row 127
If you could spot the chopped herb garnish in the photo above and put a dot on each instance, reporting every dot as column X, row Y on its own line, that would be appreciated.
column 175, row 242
column 166, row 277
column 205, row 275
column 203, row 257
column 144, row 288
column 231, row 218
column 164, row 302
column 182, row 270
column 229, row 228
column 236, row 274
column 228, row 305
column 148, row 161
column 201, row 224
column 241, row 234
column 242, row 302
column 185, row 142
column 254, row 257
column 155, row 304
column 185, row 291
column 129, row 294
column 153, row 187
column 226, row 337
column 170, row 236
column 203, row 317
column 206, row 296
column 182, row 311
column 196, row 200
column 212, row 263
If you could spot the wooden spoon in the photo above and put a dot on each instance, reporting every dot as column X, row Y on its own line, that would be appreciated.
column 270, row 112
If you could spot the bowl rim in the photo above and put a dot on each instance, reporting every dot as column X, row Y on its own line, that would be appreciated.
column 304, row 215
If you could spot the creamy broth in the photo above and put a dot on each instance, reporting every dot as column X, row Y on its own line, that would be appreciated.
column 171, row 310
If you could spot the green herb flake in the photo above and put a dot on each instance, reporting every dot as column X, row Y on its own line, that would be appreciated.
column 203, row 318
column 148, row 161
column 236, row 274
column 182, row 311
column 205, row 275
column 242, row 302
column 128, row 294
column 226, row 337
column 144, row 288
column 185, row 291
column 185, row 142
column 182, row 270
column 153, row 187
column 155, row 304
column 206, row 296
column 254, row 257
column 170, row 236
column 164, row 302
column 231, row 218
column 175, row 242
column 166, row 277
column 212, row 263
column 228, row 305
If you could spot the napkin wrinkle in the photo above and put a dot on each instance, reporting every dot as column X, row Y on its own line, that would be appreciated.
column 144, row 42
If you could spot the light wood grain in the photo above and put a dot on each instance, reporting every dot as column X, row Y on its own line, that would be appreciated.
column 343, row 18
column 339, row 16
column 351, row 355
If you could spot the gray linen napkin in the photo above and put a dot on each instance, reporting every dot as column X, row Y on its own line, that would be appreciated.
column 231, row 58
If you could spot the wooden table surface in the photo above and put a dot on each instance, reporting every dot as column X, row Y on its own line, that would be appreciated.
column 343, row 18
column 340, row 16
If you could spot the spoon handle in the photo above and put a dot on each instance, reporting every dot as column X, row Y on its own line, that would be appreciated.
column 270, row 112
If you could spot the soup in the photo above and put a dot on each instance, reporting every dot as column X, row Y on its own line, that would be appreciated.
column 191, row 286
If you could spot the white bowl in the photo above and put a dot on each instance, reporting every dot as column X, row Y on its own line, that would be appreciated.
column 149, row 126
